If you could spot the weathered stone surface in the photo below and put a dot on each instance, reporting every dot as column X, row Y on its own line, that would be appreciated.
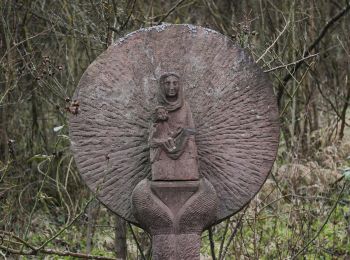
column 232, row 103
column 175, row 213
column 177, row 207
column 176, row 246
column 173, row 151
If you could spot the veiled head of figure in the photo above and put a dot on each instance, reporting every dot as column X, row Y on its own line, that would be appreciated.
column 170, row 82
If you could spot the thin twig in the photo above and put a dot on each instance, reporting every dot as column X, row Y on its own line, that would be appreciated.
column 137, row 242
column 292, row 63
column 36, row 250
column 234, row 232
column 170, row 11
column 323, row 225
column 128, row 18
column 212, row 245
column 15, row 44
column 37, row 196
column 314, row 44
column 67, row 226
column 274, row 42
column 11, row 235
column 330, row 102
column 295, row 92
column 223, row 238
column 53, row 252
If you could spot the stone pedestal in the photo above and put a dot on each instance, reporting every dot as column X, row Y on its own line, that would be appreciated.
column 175, row 214
column 176, row 246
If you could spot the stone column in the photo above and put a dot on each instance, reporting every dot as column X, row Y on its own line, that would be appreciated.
column 175, row 214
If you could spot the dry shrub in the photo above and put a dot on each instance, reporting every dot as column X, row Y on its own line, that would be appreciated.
column 344, row 150
column 309, row 178
column 328, row 157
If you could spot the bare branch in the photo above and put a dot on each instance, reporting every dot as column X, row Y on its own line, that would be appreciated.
column 274, row 42
column 35, row 251
column 292, row 63
column 234, row 232
column 323, row 225
column 212, row 245
column 314, row 44
column 170, row 11
column 54, row 252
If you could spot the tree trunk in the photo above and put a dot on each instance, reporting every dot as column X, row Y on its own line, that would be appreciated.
column 120, row 238
column 343, row 115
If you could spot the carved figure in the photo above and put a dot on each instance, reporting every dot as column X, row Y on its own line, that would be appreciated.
column 171, row 138
column 176, row 205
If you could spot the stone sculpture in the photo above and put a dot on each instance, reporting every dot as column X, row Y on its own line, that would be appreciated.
column 176, row 205
column 177, row 129
column 173, row 149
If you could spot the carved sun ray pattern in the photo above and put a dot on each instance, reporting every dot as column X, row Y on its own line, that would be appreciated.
column 232, row 101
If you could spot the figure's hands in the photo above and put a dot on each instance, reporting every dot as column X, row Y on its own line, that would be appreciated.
column 169, row 145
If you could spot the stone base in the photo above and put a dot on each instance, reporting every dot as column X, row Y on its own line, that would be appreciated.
column 175, row 213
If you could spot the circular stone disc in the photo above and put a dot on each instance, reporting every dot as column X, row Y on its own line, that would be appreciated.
column 231, row 99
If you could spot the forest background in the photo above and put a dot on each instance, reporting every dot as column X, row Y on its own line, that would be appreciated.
column 303, row 210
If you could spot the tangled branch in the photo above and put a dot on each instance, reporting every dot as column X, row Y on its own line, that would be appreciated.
column 37, row 250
